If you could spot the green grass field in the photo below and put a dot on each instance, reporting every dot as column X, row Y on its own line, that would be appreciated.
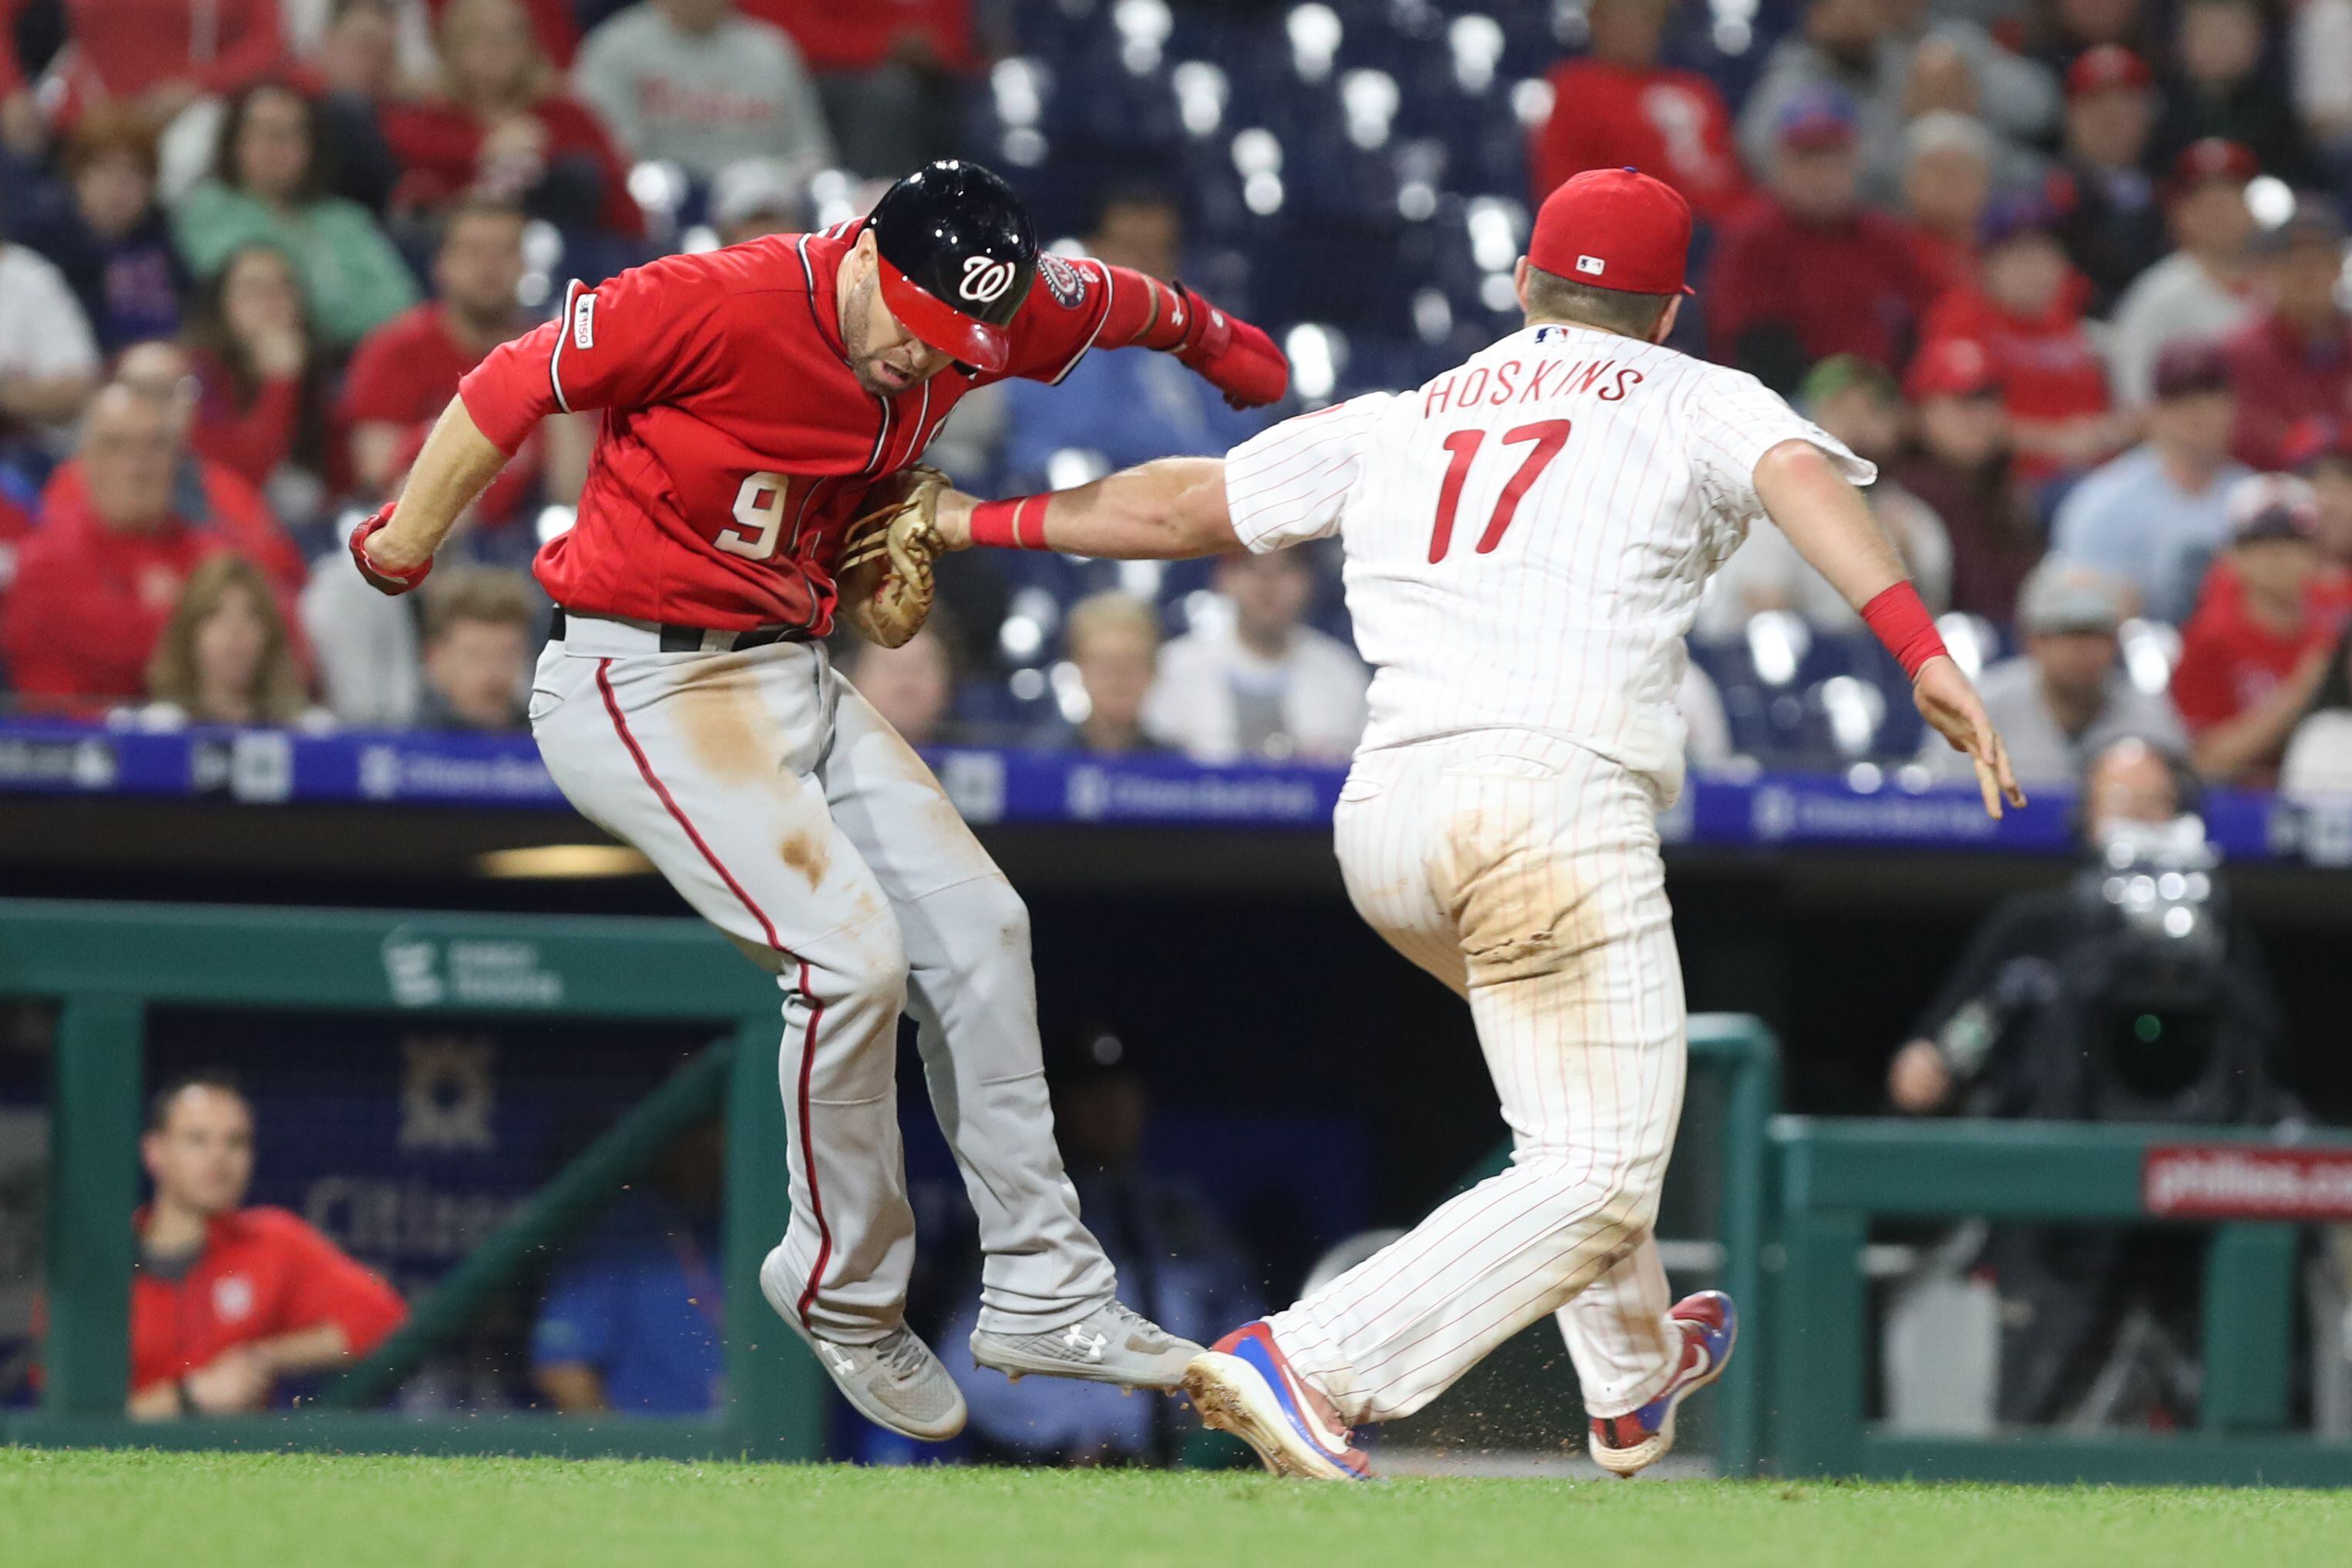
column 90, row 1509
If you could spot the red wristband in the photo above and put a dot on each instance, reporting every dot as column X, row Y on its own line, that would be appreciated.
column 1903, row 623
column 1016, row 524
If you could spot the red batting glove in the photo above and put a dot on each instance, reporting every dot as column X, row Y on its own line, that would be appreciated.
column 1230, row 354
column 383, row 579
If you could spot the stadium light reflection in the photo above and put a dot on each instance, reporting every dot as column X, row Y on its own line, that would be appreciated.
column 1315, row 34
column 563, row 861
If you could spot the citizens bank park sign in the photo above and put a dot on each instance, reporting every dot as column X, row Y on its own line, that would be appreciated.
column 2234, row 1181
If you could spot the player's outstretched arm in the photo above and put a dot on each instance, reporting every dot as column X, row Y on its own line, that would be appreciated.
column 1830, row 524
column 1170, row 509
column 394, row 548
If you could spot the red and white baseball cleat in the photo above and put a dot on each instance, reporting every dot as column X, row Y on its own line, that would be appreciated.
column 1710, row 1328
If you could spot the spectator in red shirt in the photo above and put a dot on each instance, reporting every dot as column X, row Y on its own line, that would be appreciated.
column 227, row 1299
column 885, row 71
column 507, row 130
column 2293, row 360
column 205, row 493
column 407, row 370
column 2256, row 650
column 99, row 577
column 2025, row 309
column 1617, row 107
column 1805, row 271
column 162, row 54
column 837, row 37
column 261, row 404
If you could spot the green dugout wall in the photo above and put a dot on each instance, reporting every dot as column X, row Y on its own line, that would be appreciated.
column 1793, row 1212
column 106, row 965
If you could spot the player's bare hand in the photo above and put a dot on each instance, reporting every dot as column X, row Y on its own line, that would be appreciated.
column 951, row 518
column 1948, row 701
column 1918, row 1080
column 883, row 571
column 236, row 1379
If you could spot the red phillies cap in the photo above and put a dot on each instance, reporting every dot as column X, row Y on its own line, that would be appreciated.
column 1951, row 367
column 1614, row 228
column 2213, row 158
column 2106, row 67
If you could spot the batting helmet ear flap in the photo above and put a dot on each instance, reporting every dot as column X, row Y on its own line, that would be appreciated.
column 958, row 257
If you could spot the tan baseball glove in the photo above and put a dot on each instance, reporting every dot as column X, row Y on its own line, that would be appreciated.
column 885, row 570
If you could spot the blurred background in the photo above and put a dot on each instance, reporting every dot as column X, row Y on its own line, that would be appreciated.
column 2069, row 271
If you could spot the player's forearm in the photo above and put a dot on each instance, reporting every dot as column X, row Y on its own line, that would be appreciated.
column 1171, row 509
column 1828, row 521
column 572, row 1386
column 1230, row 354
column 456, row 464
column 306, row 1350
column 156, row 1402
column 2254, row 736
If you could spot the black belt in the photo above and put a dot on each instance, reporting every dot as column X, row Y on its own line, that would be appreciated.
column 689, row 639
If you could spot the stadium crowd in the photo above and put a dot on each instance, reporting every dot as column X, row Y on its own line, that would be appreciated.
column 2069, row 271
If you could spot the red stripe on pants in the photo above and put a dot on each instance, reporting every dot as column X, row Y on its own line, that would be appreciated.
column 767, row 929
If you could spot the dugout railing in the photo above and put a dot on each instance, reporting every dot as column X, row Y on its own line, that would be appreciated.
column 1833, row 1178
column 106, row 965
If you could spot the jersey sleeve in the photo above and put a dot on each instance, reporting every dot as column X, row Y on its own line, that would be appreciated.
column 650, row 335
column 331, row 1286
column 1068, row 308
column 1735, row 419
column 1290, row 483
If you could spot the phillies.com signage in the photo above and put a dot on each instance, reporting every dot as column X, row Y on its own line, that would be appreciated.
column 2234, row 1181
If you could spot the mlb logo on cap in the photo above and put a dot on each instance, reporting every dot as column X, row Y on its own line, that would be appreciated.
column 1618, row 227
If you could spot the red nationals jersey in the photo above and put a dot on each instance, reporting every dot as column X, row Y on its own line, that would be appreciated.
column 737, row 444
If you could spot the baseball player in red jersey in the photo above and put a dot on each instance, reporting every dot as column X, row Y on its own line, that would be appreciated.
column 752, row 397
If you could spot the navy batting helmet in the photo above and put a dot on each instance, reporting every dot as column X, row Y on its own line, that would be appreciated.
column 958, row 257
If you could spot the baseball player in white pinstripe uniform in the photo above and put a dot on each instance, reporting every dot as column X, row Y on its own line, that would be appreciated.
column 1526, row 539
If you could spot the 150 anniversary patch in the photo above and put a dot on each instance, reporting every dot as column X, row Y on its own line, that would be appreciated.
column 1065, row 283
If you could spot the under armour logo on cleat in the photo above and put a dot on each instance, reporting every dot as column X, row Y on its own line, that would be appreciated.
column 844, row 1364
column 1084, row 1342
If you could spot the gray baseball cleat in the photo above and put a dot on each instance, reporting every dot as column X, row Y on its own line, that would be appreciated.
column 895, row 1381
column 1111, row 1344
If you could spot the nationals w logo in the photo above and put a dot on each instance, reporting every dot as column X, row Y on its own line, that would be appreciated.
column 985, row 278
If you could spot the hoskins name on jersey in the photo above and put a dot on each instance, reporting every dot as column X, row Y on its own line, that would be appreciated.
column 1496, row 386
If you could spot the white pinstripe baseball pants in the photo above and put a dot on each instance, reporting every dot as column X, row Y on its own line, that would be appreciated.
column 1523, row 871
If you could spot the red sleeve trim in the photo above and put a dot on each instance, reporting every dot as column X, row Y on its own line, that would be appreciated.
column 562, row 331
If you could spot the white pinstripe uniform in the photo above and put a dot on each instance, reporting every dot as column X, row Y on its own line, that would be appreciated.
column 1526, row 539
